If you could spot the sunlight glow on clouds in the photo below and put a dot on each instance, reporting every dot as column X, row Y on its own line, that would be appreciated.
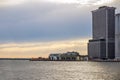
column 82, row 2
column 42, row 20
column 11, row 2
column 36, row 49
column 99, row 2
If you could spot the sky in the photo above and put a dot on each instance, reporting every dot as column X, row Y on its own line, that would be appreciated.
column 33, row 28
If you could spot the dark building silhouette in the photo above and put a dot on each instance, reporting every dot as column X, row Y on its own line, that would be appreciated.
column 102, row 44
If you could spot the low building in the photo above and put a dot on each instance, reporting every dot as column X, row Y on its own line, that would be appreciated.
column 39, row 59
column 70, row 56
column 55, row 57
column 84, row 57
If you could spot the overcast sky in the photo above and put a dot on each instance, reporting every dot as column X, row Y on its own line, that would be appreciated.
column 42, row 23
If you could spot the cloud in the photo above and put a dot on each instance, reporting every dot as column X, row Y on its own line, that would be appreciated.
column 39, row 27
column 43, row 21
column 4, row 3
column 36, row 49
column 81, row 2
column 11, row 2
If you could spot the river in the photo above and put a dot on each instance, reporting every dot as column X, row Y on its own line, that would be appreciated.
column 47, row 70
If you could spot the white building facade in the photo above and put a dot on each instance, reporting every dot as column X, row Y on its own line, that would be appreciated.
column 117, row 37
column 69, row 56
column 55, row 57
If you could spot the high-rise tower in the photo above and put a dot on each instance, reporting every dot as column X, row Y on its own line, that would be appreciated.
column 103, row 26
column 117, row 36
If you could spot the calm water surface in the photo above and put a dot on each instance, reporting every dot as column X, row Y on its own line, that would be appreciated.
column 40, row 70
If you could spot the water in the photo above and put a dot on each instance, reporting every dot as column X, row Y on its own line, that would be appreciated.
column 40, row 70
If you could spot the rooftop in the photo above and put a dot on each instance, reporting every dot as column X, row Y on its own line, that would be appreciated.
column 104, row 7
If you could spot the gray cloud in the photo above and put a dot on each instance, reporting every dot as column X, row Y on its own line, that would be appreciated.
column 44, row 21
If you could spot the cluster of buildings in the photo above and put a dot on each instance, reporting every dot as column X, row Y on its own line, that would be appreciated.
column 105, row 42
column 68, row 56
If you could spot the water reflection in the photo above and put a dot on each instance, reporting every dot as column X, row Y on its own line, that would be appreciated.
column 26, row 70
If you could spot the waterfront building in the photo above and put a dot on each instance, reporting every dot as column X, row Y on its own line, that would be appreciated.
column 117, row 36
column 84, row 57
column 102, row 45
column 70, row 56
column 55, row 57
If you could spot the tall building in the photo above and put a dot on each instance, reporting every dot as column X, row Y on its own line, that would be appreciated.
column 117, row 36
column 102, row 44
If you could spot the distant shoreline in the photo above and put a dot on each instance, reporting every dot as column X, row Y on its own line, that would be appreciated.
column 14, row 58
column 29, row 59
